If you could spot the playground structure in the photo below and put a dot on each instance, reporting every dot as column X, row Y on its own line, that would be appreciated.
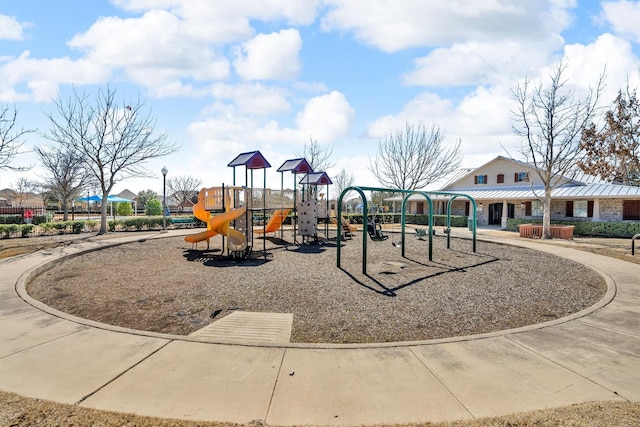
column 376, row 234
column 234, row 211
column 220, row 199
column 275, row 222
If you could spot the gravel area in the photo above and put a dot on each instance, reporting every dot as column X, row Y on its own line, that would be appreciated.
column 164, row 285
column 17, row 411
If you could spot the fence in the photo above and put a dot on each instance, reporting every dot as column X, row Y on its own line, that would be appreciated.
column 23, row 215
column 22, row 210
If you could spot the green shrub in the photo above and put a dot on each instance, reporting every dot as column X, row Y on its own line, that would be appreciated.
column 10, row 219
column 136, row 223
column 588, row 228
column 41, row 219
column 46, row 227
column 124, row 208
column 153, row 207
column 112, row 225
column 77, row 226
column 155, row 222
column 91, row 225
column 60, row 226
column 396, row 218
column 7, row 230
column 25, row 229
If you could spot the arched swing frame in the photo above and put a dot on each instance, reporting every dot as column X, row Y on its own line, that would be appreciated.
column 408, row 193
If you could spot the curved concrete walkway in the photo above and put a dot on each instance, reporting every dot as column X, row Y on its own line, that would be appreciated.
column 591, row 356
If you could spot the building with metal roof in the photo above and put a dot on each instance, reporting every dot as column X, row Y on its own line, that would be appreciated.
column 506, row 188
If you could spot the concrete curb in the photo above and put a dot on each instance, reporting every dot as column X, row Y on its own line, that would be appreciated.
column 588, row 356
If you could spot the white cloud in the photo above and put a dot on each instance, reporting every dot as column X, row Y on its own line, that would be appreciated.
column 358, row 166
column 481, row 121
column 159, row 49
column 326, row 118
column 172, row 49
column 254, row 98
column 10, row 28
column 473, row 63
column 42, row 76
column 382, row 23
column 229, row 131
column 427, row 108
column 587, row 62
column 230, row 15
column 270, row 56
column 624, row 17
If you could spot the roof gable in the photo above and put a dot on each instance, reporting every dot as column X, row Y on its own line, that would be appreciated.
column 316, row 178
column 127, row 194
column 501, row 172
column 300, row 165
column 251, row 160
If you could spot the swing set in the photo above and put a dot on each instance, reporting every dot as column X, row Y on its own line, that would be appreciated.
column 374, row 230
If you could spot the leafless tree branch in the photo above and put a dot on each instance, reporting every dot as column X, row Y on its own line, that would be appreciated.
column 182, row 188
column 65, row 176
column 10, row 137
column 413, row 157
column 550, row 121
column 113, row 140
column 318, row 156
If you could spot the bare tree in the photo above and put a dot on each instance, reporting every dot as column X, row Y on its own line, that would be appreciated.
column 182, row 188
column 413, row 157
column 613, row 153
column 113, row 141
column 550, row 121
column 343, row 180
column 10, row 137
column 23, row 189
column 65, row 174
column 318, row 156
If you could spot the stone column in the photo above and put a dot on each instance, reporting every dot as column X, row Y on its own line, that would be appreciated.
column 505, row 215
column 596, row 210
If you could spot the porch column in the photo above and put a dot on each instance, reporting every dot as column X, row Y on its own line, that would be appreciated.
column 596, row 210
column 505, row 215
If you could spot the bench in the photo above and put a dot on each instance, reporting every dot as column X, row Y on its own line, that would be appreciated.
column 187, row 222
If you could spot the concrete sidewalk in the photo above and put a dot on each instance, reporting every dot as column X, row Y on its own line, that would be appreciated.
column 593, row 355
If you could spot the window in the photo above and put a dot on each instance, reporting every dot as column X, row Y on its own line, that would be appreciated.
column 481, row 179
column 521, row 177
column 631, row 210
column 579, row 209
column 537, row 208
column 500, row 179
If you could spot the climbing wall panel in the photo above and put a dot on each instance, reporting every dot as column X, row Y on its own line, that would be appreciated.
column 308, row 218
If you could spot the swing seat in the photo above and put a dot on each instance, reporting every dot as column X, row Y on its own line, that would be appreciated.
column 375, row 232
column 420, row 233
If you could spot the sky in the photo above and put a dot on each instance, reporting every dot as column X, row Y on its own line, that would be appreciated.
column 226, row 77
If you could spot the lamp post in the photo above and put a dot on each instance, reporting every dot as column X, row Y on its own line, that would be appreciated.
column 164, row 198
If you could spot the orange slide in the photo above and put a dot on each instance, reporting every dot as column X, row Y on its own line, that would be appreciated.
column 218, row 224
column 275, row 222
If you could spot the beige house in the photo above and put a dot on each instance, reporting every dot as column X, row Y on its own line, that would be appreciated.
column 506, row 188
